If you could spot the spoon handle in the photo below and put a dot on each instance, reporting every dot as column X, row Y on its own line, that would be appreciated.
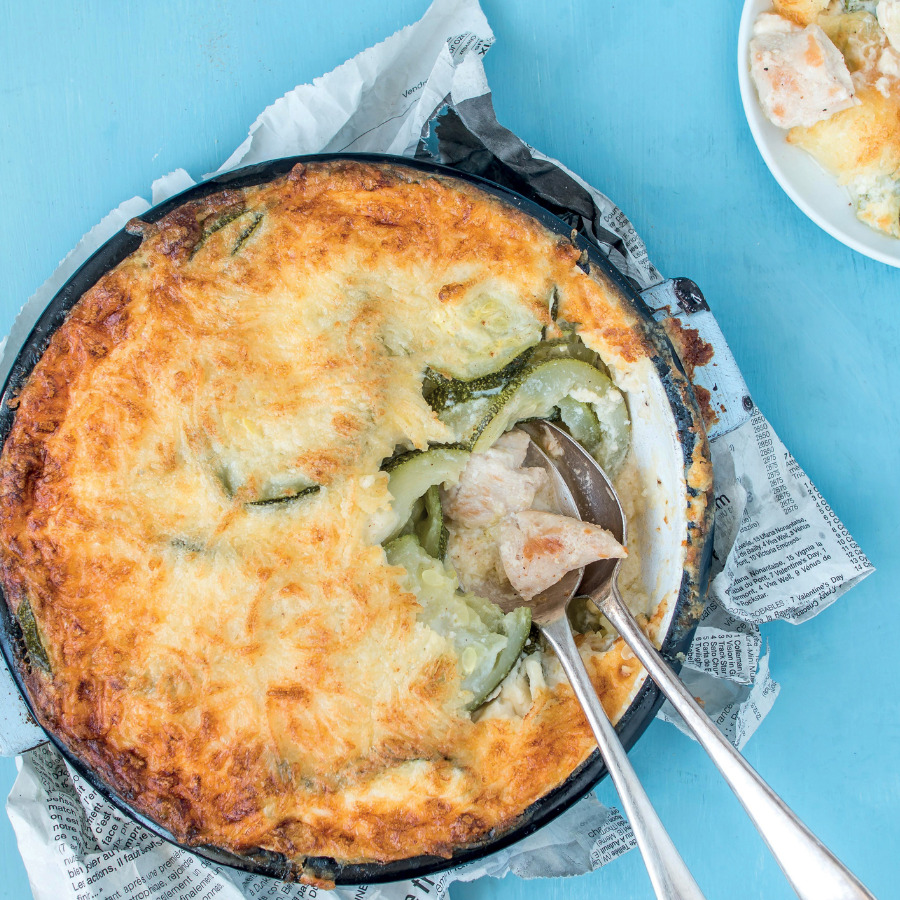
column 812, row 870
column 669, row 875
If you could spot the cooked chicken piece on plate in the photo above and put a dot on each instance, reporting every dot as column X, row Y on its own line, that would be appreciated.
column 800, row 75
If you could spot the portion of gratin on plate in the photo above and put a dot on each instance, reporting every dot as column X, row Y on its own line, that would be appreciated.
column 829, row 71
column 259, row 476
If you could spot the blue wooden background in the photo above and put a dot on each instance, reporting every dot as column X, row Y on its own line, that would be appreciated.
column 641, row 98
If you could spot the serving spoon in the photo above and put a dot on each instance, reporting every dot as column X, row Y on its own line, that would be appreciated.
column 811, row 868
column 669, row 875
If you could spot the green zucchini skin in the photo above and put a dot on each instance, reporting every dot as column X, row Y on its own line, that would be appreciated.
column 31, row 635
column 398, row 459
column 430, row 528
column 273, row 492
column 426, row 523
column 466, row 418
column 216, row 223
column 290, row 498
column 247, row 233
column 569, row 346
column 442, row 392
column 535, row 393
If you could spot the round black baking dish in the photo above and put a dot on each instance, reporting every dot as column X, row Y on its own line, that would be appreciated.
column 677, row 639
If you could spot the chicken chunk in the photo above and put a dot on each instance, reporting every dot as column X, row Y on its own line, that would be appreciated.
column 492, row 485
column 538, row 548
column 888, row 12
column 800, row 76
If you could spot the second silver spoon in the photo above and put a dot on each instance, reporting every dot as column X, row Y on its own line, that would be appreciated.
column 669, row 875
column 812, row 869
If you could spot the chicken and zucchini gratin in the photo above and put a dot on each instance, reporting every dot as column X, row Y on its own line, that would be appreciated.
column 829, row 71
column 258, row 481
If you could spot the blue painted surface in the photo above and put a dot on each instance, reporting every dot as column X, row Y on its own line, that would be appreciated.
column 641, row 99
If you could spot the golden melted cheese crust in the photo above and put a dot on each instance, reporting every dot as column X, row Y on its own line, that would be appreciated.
column 253, row 675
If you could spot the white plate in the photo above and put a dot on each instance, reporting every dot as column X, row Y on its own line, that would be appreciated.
column 812, row 189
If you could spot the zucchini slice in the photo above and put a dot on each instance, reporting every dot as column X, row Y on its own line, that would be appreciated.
column 606, row 438
column 442, row 392
column 582, row 423
column 430, row 528
column 569, row 346
column 287, row 498
column 276, row 489
column 560, row 377
column 416, row 516
column 414, row 474
column 31, row 635
column 463, row 405
column 487, row 642
column 426, row 522
column 515, row 627
column 247, row 232
column 233, row 227
column 486, row 330
column 540, row 388
column 263, row 492
column 216, row 222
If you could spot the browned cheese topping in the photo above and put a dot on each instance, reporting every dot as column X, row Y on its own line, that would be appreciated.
column 186, row 508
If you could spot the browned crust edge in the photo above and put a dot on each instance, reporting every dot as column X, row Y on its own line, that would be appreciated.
column 93, row 327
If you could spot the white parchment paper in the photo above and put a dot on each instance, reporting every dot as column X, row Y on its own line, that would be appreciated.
column 779, row 550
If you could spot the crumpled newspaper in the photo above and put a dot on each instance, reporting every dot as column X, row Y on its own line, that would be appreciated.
column 779, row 550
